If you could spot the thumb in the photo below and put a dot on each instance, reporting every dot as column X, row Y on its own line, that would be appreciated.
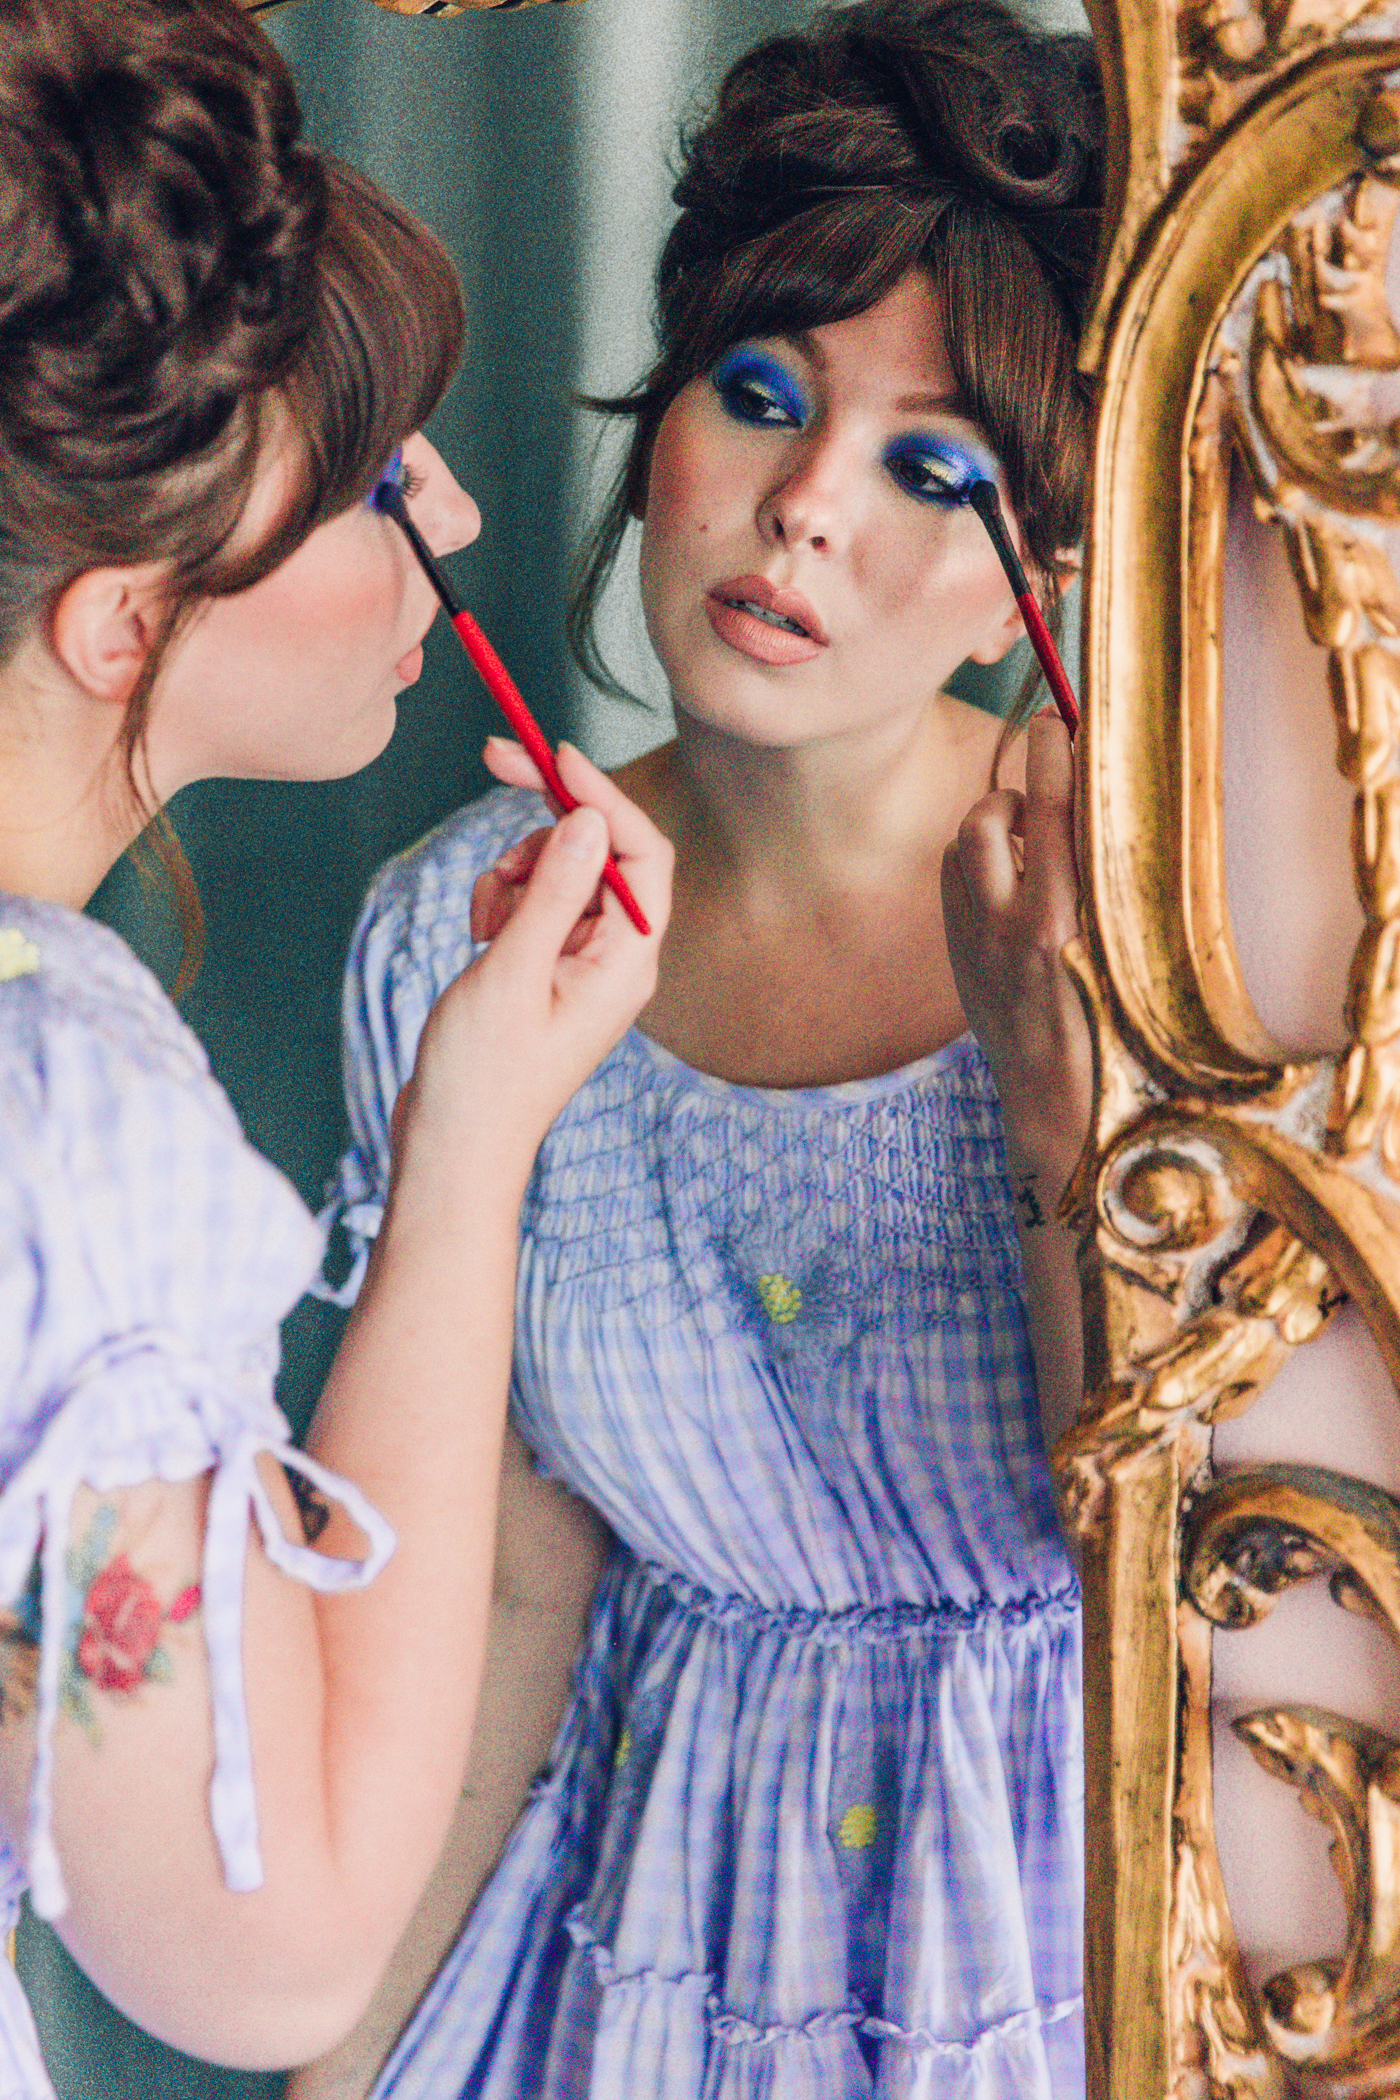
column 561, row 884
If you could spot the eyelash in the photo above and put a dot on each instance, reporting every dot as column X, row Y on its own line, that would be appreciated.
column 402, row 476
column 946, row 494
column 750, row 376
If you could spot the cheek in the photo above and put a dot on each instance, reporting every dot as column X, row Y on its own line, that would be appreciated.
column 678, row 484
column 947, row 566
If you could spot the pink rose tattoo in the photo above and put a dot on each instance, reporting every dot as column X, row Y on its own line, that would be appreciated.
column 112, row 1636
column 120, row 1629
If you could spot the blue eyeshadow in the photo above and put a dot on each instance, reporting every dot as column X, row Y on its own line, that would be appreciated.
column 391, row 478
column 941, row 470
column 753, row 372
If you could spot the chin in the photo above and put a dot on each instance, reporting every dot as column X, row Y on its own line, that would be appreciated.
column 348, row 755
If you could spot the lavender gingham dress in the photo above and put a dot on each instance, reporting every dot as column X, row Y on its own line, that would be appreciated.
column 147, row 1254
column 812, row 1826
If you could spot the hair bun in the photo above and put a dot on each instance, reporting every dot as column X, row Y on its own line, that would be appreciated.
column 158, row 225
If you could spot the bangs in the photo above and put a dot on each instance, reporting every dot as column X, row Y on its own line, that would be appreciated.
column 828, row 261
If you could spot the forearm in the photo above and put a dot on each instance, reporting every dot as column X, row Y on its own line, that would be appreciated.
column 551, row 1549
column 413, row 1412
column 1050, row 1263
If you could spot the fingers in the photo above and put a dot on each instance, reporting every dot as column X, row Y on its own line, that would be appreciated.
column 559, row 890
column 639, row 849
column 1051, row 874
column 497, row 892
column 511, row 764
column 985, row 853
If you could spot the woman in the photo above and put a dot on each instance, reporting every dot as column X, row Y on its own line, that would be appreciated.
column 227, row 1760
column 812, row 1825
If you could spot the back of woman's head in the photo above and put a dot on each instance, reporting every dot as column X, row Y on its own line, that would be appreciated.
column 942, row 135
column 187, row 290
column 184, row 284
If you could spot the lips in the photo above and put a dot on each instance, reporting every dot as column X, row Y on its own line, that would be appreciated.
column 765, row 622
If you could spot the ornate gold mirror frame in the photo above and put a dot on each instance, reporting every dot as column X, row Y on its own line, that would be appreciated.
column 1232, row 1197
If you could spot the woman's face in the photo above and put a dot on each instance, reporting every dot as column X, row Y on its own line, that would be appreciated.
column 296, row 678
column 804, row 572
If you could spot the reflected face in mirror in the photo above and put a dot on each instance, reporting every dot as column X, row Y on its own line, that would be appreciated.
column 807, row 568
column 296, row 678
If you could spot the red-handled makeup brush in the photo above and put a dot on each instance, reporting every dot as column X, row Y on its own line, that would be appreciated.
column 500, row 685
column 983, row 497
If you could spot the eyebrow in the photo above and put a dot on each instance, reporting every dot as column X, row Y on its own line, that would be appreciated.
column 907, row 404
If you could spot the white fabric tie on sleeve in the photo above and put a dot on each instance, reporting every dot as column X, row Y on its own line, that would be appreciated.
column 232, row 1802
column 360, row 1222
column 146, row 1406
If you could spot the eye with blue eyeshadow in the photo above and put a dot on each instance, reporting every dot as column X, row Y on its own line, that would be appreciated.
column 396, row 477
column 936, row 469
column 756, row 388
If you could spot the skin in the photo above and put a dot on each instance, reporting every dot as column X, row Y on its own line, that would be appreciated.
column 848, row 897
column 360, row 1705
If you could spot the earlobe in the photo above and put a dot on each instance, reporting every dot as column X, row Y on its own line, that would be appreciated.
column 1001, row 638
column 104, row 626
column 1067, row 568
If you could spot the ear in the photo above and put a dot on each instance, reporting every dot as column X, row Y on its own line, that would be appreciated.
column 104, row 627
column 1067, row 567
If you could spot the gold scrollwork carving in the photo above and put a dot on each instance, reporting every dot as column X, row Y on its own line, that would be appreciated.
column 1321, row 433
column 1335, row 2024
column 1230, row 1196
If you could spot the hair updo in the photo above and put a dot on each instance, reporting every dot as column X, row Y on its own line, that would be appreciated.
column 941, row 135
column 185, row 286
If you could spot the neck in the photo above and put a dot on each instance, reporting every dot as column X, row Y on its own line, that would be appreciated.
column 66, row 811
column 839, row 814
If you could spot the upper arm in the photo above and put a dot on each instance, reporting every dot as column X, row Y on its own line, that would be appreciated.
column 235, row 1974
column 160, row 1735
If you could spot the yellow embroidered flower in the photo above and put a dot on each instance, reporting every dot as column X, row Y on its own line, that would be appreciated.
column 857, row 1828
column 782, row 1300
column 18, row 955
column 623, row 1750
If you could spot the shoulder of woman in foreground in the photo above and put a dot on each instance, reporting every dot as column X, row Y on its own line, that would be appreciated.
column 131, row 1201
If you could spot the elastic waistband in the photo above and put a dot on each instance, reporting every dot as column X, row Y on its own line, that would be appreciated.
column 861, row 1622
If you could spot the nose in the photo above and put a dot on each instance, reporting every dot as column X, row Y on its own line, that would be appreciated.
column 440, row 507
column 808, row 504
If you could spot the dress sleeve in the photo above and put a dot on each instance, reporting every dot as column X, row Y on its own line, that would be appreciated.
column 413, row 938
column 147, row 1255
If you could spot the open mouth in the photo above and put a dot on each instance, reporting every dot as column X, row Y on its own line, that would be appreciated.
column 769, row 618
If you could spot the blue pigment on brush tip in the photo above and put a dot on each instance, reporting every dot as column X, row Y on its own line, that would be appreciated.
column 390, row 482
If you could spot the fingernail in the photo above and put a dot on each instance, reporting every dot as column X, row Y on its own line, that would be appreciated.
column 582, row 832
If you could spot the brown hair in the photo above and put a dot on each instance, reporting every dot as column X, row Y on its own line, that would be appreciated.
column 940, row 135
column 184, row 281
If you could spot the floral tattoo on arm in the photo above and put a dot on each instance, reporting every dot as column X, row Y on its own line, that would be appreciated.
column 114, row 1628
